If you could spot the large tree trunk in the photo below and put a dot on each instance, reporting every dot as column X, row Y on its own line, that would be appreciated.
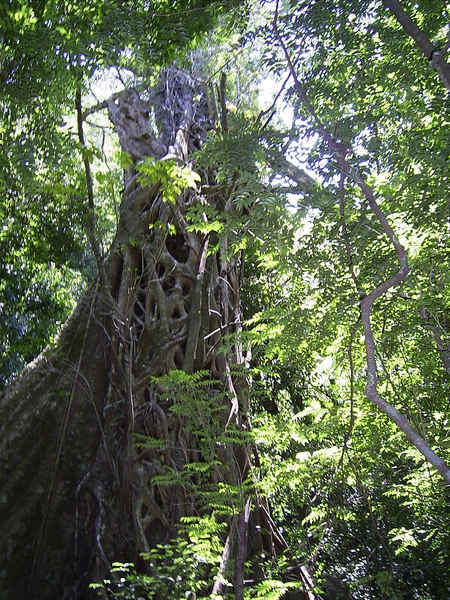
column 76, row 492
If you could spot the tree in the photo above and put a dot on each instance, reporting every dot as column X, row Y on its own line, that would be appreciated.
column 367, row 298
column 159, row 295
column 46, row 50
column 167, row 298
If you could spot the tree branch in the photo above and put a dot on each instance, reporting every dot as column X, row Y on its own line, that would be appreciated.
column 195, row 314
column 367, row 303
column 271, row 110
column 434, row 55
column 444, row 349
column 223, row 102
column 101, row 105
column 295, row 173
column 90, row 192
column 344, row 231
column 225, row 559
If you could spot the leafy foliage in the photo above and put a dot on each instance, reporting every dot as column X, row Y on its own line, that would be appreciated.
column 183, row 568
column 49, row 49
column 339, row 462
column 352, row 499
column 172, row 178
column 179, row 569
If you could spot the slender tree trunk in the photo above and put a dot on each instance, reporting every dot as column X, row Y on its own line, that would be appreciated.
column 76, row 493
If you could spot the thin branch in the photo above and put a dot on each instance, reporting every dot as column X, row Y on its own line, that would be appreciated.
column 434, row 55
column 90, row 192
column 271, row 110
column 195, row 315
column 101, row 105
column 367, row 303
column 225, row 559
column 344, row 230
column 223, row 102
column 444, row 349
column 352, row 386
column 373, row 518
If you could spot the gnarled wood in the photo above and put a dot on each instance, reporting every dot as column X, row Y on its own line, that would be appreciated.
column 76, row 493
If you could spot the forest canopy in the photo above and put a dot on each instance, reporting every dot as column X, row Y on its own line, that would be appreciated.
column 241, row 210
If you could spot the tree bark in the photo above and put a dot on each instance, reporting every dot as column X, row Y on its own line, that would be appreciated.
column 76, row 494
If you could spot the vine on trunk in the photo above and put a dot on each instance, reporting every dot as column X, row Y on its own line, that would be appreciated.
column 151, row 355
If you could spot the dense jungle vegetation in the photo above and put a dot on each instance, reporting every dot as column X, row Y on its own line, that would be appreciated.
column 225, row 299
